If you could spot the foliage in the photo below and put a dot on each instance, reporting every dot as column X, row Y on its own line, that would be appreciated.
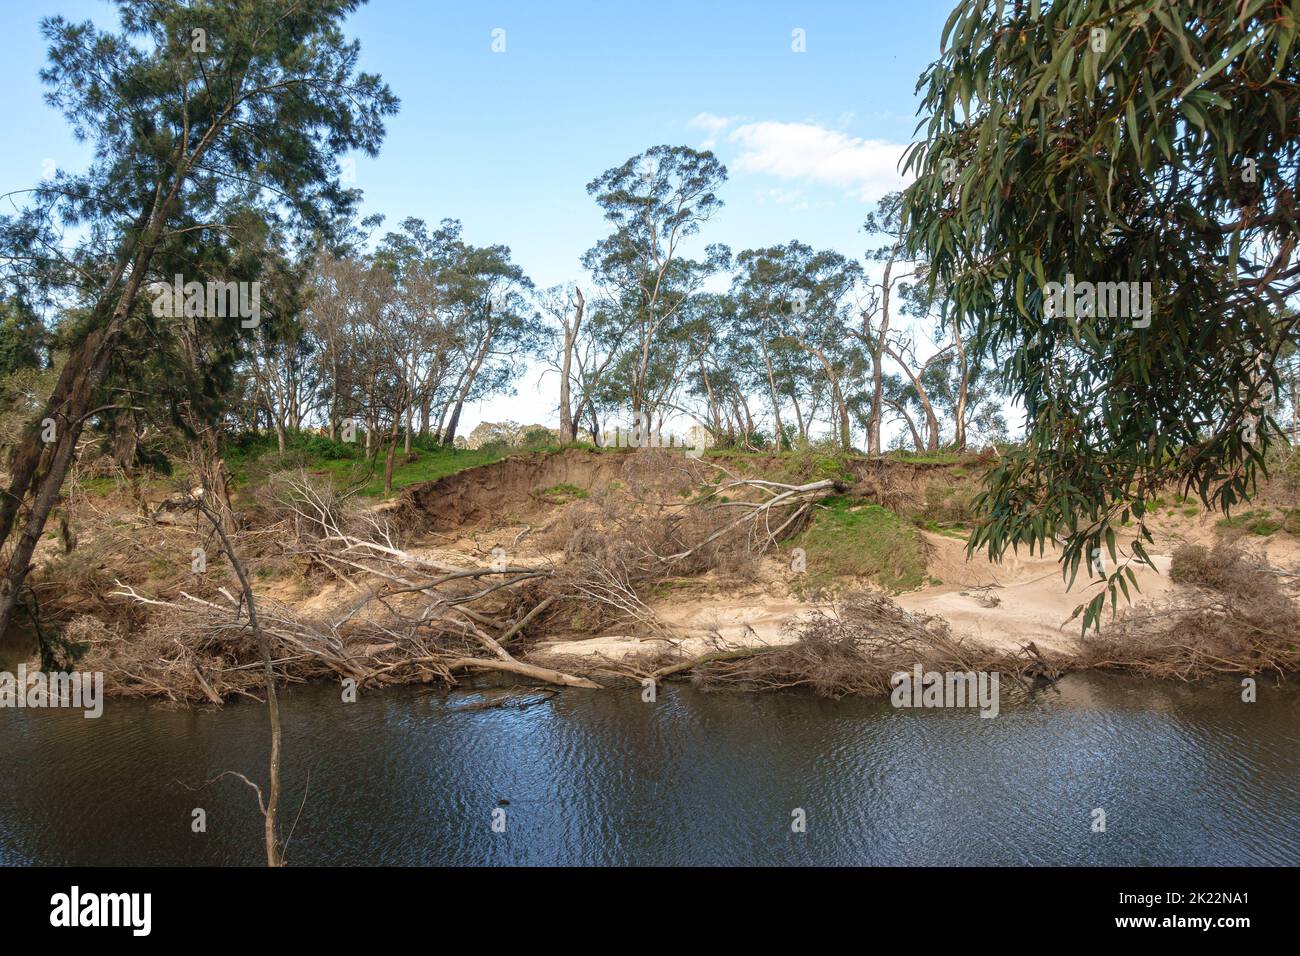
column 1116, row 141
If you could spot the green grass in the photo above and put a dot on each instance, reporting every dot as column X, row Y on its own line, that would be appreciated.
column 561, row 494
column 150, row 484
column 428, row 466
column 860, row 541
column 98, row 487
column 252, row 458
column 948, row 531
column 931, row 457
column 1257, row 522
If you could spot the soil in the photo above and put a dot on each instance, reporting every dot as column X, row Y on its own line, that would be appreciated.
column 1001, row 605
column 506, row 491
column 511, row 503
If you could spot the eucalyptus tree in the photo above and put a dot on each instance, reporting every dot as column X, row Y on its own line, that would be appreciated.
column 876, row 308
column 422, row 264
column 281, row 363
column 656, row 201
column 599, row 343
column 325, row 319
column 712, row 370
column 794, row 299
column 898, row 396
column 497, row 328
column 565, row 306
column 820, row 283
column 1143, row 154
column 766, row 292
column 191, row 109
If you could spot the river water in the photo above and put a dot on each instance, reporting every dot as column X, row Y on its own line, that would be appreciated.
column 1185, row 775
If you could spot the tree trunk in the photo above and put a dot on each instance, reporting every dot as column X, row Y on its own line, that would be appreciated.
column 876, row 345
column 713, row 403
column 213, row 477
column 911, row 426
column 567, row 431
column 798, row 416
column 450, row 435
column 68, row 406
column 963, row 389
column 931, row 420
column 334, row 407
column 274, row 856
column 776, row 404
column 388, row 462
column 126, row 441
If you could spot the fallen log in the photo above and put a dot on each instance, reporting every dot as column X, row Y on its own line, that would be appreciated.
column 731, row 655
column 525, row 670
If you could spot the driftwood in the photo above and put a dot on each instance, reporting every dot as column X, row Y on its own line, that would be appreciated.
column 712, row 656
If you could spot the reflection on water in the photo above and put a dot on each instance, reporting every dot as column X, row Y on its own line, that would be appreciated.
column 16, row 648
column 1186, row 775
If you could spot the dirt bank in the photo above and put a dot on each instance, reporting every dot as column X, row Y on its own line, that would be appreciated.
column 588, row 590
column 510, row 491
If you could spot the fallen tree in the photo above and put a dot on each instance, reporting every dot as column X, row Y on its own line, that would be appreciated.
column 1234, row 618
column 855, row 647
column 414, row 618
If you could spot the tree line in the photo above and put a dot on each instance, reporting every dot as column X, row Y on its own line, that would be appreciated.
column 397, row 332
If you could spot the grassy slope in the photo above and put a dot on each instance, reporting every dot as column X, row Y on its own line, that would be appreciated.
column 252, row 459
column 848, row 541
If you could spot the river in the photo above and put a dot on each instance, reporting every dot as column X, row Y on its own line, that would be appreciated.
column 1186, row 774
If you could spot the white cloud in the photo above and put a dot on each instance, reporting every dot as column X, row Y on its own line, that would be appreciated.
column 865, row 168
column 784, row 197
column 793, row 198
column 712, row 124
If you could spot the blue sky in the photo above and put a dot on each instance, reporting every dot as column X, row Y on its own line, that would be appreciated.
column 506, row 142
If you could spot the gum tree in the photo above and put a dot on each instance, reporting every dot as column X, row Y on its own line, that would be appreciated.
column 496, row 328
column 799, row 298
column 190, row 109
column 764, row 289
column 876, row 309
column 1116, row 141
column 656, row 202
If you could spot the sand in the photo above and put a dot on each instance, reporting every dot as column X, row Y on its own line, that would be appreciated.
column 1002, row 605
